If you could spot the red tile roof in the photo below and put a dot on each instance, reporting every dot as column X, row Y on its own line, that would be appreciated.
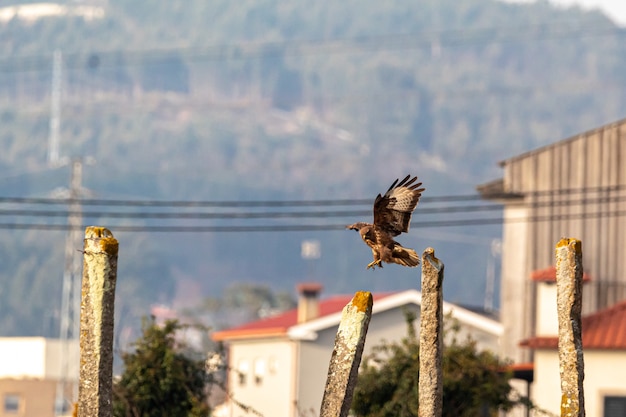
column 524, row 366
column 279, row 325
column 605, row 329
column 541, row 342
column 525, row 371
column 549, row 275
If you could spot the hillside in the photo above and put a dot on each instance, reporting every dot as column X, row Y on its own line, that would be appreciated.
column 269, row 100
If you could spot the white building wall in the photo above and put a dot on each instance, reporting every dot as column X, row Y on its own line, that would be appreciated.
column 604, row 375
column 37, row 357
column 385, row 326
column 547, row 317
column 296, row 387
column 315, row 355
column 22, row 357
column 56, row 359
column 313, row 371
column 546, row 388
column 514, row 297
column 268, row 380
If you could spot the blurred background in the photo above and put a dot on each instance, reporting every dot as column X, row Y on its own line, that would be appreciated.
column 226, row 144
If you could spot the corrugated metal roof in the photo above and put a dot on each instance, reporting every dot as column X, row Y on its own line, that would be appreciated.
column 561, row 142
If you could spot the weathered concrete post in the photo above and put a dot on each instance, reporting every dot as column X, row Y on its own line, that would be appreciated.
column 96, row 323
column 569, row 285
column 346, row 358
column 431, row 337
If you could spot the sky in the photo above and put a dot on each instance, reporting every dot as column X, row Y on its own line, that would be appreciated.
column 614, row 9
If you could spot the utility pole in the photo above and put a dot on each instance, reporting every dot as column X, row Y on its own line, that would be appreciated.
column 70, row 303
column 67, row 388
column 496, row 251
column 55, row 108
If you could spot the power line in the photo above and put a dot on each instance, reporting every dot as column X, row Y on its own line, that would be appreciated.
column 321, row 227
column 303, row 203
column 231, row 215
column 296, row 214
column 221, row 204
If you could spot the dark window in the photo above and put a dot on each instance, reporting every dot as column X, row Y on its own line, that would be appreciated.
column 614, row 406
column 11, row 403
column 242, row 378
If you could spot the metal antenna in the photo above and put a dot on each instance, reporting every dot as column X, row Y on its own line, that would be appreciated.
column 70, row 302
column 55, row 108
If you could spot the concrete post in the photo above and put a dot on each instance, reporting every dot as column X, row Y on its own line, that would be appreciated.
column 346, row 357
column 431, row 337
column 96, row 323
column 569, row 284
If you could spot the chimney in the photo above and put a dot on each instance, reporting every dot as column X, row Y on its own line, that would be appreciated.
column 546, row 321
column 308, row 301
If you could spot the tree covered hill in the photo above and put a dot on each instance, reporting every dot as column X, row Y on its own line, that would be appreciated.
column 274, row 100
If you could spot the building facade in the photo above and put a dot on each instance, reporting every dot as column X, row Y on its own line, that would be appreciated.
column 31, row 373
column 572, row 188
column 604, row 343
column 279, row 365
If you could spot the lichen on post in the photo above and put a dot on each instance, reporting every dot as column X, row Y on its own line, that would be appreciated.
column 430, row 395
column 569, row 284
column 346, row 358
column 96, row 323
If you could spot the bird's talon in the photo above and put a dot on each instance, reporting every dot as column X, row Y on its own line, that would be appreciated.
column 373, row 264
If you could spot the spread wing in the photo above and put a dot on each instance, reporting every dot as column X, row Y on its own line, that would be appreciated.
column 392, row 211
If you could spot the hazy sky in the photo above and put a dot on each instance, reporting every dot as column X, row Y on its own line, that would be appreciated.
column 615, row 9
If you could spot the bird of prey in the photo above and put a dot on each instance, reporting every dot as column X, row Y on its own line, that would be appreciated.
column 392, row 215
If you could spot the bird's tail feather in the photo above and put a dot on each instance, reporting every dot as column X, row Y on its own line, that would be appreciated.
column 405, row 256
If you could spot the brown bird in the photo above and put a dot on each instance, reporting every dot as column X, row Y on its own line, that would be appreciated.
column 392, row 216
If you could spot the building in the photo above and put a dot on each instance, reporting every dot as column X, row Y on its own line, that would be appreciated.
column 31, row 369
column 572, row 188
column 604, row 342
column 279, row 365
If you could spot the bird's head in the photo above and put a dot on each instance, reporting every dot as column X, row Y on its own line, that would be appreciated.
column 356, row 226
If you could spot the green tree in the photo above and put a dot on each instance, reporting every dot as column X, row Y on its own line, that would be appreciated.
column 161, row 377
column 473, row 381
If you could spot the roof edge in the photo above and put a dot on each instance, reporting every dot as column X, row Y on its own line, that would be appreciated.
column 589, row 132
column 249, row 334
column 308, row 330
column 494, row 190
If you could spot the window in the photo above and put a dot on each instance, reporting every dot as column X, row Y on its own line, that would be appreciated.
column 614, row 406
column 242, row 369
column 11, row 403
column 259, row 370
column 62, row 406
column 272, row 365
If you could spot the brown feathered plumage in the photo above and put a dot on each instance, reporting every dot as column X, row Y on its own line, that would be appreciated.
column 392, row 216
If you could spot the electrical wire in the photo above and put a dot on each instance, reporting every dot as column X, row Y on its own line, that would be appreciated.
column 229, row 215
column 592, row 196
column 293, row 214
column 322, row 227
column 303, row 203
